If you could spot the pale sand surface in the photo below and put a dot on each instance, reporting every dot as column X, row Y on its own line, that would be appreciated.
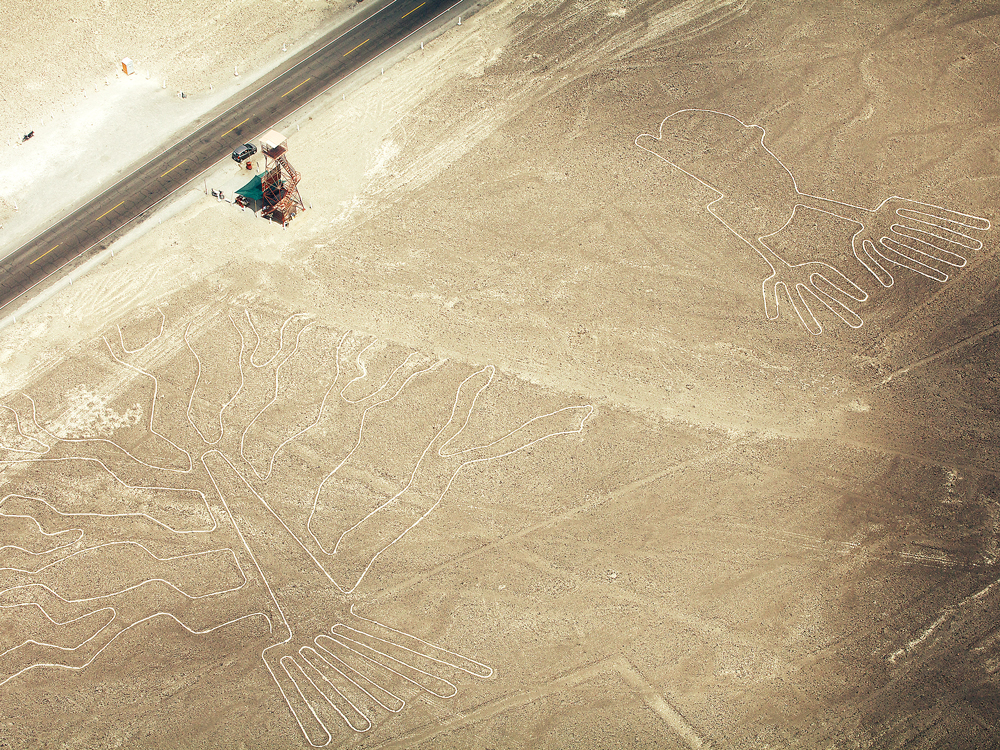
column 646, row 516
column 63, row 80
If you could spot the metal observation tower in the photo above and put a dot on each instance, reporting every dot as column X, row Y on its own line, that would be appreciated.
column 280, row 181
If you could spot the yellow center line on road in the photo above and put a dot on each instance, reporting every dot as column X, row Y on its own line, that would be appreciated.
column 106, row 213
column 417, row 8
column 232, row 129
column 360, row 45
column 294, row 87
column 167, row 172
column 47, row 252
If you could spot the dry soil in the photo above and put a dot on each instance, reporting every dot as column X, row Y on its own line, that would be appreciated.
column 495, row 445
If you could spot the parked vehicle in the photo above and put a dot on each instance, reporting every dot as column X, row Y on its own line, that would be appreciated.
column 244, row 152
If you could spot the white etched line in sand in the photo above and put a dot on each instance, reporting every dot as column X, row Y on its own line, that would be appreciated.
column 370, row 655
column 942, row 353
column 281, row 338
column 144, row 548
column 370, row 401
column 144, row 516
column 197, row 381
column 121, row 336
column 295, row 663
column 275, row 391
column 39, row 530
column 435, row 448
column 152, row 416
column 452, row 659
column 946, row 613
column 90, row 659
column 10, row 655
column 20, row 433
column 387, row 700
column 116, row 478
column 912, row 645
column 757, row 199
column 658, row 703
column 342, row 670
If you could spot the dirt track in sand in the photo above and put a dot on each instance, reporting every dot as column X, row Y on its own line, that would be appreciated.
column 713, row 529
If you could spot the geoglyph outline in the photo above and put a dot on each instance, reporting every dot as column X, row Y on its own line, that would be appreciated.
column 344, row 636
column 866, row 251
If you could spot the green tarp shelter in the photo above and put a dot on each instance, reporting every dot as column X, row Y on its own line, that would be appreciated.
column 251, row 191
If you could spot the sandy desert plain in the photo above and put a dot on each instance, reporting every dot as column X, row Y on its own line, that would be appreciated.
column 516, row 438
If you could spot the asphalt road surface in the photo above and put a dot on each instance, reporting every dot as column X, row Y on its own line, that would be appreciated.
column 244, row 116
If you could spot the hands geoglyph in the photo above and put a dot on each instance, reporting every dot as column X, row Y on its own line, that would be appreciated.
column 758, row 197
column 248, row 522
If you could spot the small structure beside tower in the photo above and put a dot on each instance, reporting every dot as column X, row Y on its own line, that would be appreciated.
column 280, row 181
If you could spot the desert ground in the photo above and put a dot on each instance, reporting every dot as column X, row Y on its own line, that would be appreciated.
column 629, row 382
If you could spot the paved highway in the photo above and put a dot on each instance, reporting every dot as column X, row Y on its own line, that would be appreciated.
column 297, row 82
